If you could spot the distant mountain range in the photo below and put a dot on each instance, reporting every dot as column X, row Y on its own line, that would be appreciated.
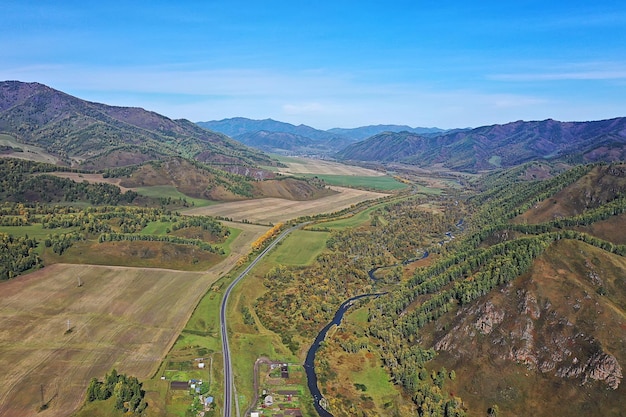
column 279, row 137
column 364, row 132
column 96, row 136
column 479, row 149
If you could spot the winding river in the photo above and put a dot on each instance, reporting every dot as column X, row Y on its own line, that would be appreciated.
column 309, row 362
column 309, row 367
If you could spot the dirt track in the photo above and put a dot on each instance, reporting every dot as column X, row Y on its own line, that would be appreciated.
column 91, row 178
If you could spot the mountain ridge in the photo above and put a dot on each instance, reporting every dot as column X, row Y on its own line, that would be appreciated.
column 95, row 136
column 498, row 146
column 320, row 142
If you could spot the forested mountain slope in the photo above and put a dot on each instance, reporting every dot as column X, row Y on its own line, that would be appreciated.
column 496, row 146
column 97, row 136
column 274, row 136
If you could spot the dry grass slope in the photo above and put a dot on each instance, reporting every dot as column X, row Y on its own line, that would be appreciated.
column 530, row 348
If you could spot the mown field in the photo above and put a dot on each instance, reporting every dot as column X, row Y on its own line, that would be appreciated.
column 341, row 175
column 317, row 166
column 33, row 153
column 56, row 335
column 381, row 183
column 274, row 210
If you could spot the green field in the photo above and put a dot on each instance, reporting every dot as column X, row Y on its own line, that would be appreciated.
column 34, row 231
column 351, row 221
column 355, row 220
column 300, row 248
column 381, row 183
column 230, row 239
column 165, row 191
column 156, row 228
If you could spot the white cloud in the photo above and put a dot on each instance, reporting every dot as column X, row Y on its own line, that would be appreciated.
column 557, row 76
column 305, row 108
column 321, row 98
column 582, row 71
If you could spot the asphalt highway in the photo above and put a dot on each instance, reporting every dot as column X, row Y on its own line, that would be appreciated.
column 228, row 367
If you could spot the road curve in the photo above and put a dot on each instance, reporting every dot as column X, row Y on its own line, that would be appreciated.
column 228, row 367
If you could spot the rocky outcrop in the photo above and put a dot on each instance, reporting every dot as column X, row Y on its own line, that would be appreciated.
column 489, row 317
column 604, row 367
column 534, row 334
column 599, row 367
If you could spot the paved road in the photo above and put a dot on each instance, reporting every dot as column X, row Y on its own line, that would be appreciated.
column 228, row 366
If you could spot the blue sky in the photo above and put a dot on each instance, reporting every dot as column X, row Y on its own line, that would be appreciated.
column 328, row 63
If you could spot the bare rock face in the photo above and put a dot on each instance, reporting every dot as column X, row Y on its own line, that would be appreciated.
column 604, row 367
column 599, row 367
column 489, row 317
column 529, row 306
column 532, row 333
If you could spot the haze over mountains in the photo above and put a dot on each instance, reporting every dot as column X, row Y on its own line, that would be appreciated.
column 274, row 136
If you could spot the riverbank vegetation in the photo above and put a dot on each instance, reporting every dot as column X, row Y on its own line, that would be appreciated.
column 475, row 245
column 430, row 254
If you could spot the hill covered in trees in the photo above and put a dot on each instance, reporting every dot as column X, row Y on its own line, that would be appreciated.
column 95, row 136
column 139, row 147
column 498, row 146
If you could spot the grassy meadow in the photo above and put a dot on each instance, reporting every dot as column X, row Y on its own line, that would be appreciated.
column 302, row 248
column 168, row 191
column 378, row 183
